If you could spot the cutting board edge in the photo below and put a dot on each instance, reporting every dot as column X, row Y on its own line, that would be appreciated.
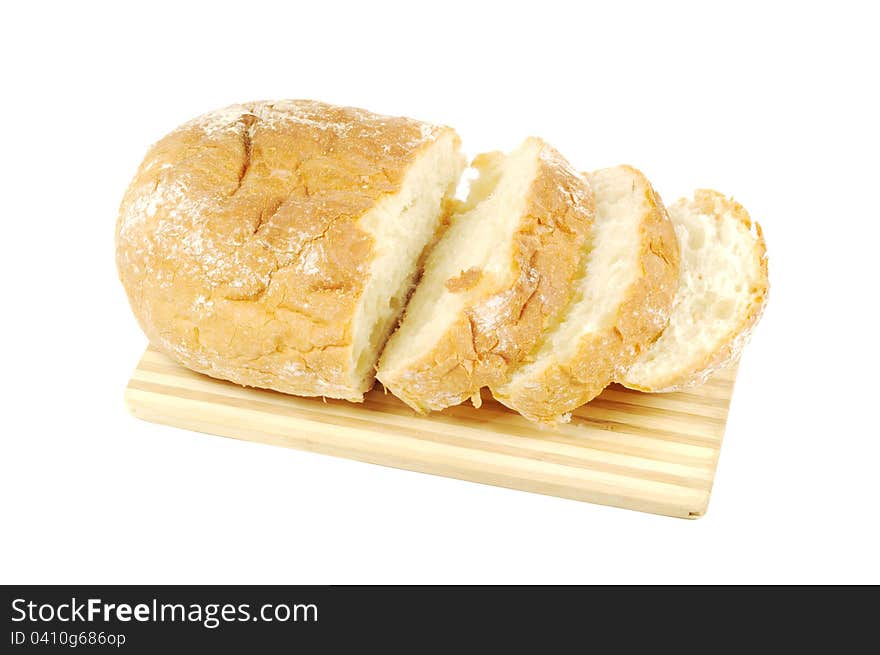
column 151, row 413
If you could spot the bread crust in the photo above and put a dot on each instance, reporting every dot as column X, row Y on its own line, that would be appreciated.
column 488, row 338
column 238, row 241
column 565, row 384
column 715, row 204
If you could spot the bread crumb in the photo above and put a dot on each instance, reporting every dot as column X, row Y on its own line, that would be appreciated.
column 465, row 281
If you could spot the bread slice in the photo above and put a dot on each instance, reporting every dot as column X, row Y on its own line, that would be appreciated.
column 721, row 295
column 402, row 227
column 501, row 274
column 620, row 305
column 274, row 244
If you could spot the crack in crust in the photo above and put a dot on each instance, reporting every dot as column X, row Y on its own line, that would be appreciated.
column 247, row 121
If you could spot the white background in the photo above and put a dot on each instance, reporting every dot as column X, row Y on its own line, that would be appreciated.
column 774, row 104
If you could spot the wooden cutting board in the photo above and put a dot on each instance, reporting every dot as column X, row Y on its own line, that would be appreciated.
column 648, row 452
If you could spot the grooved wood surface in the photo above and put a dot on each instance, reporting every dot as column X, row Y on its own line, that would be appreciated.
column 647, row 452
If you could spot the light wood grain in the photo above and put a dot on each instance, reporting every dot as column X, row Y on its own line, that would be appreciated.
column 648, row 452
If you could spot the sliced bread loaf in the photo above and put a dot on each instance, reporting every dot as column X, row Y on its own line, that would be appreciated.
column 497, row 279
column 621, row 302
column 722, row 292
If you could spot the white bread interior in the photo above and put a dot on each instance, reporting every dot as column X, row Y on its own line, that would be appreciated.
column 619, row 305
column 401, row 225
column 722, row 291
column 480, row 237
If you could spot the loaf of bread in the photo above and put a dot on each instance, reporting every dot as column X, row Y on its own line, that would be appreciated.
column 274, row 244
column 311, row 249
column 497, row 280
column 621, row 302
column 721, row 294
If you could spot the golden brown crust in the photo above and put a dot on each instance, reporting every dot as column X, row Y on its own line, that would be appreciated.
column 564, row 385
column 238, row 243
column 715, row 204
column 482, row 344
